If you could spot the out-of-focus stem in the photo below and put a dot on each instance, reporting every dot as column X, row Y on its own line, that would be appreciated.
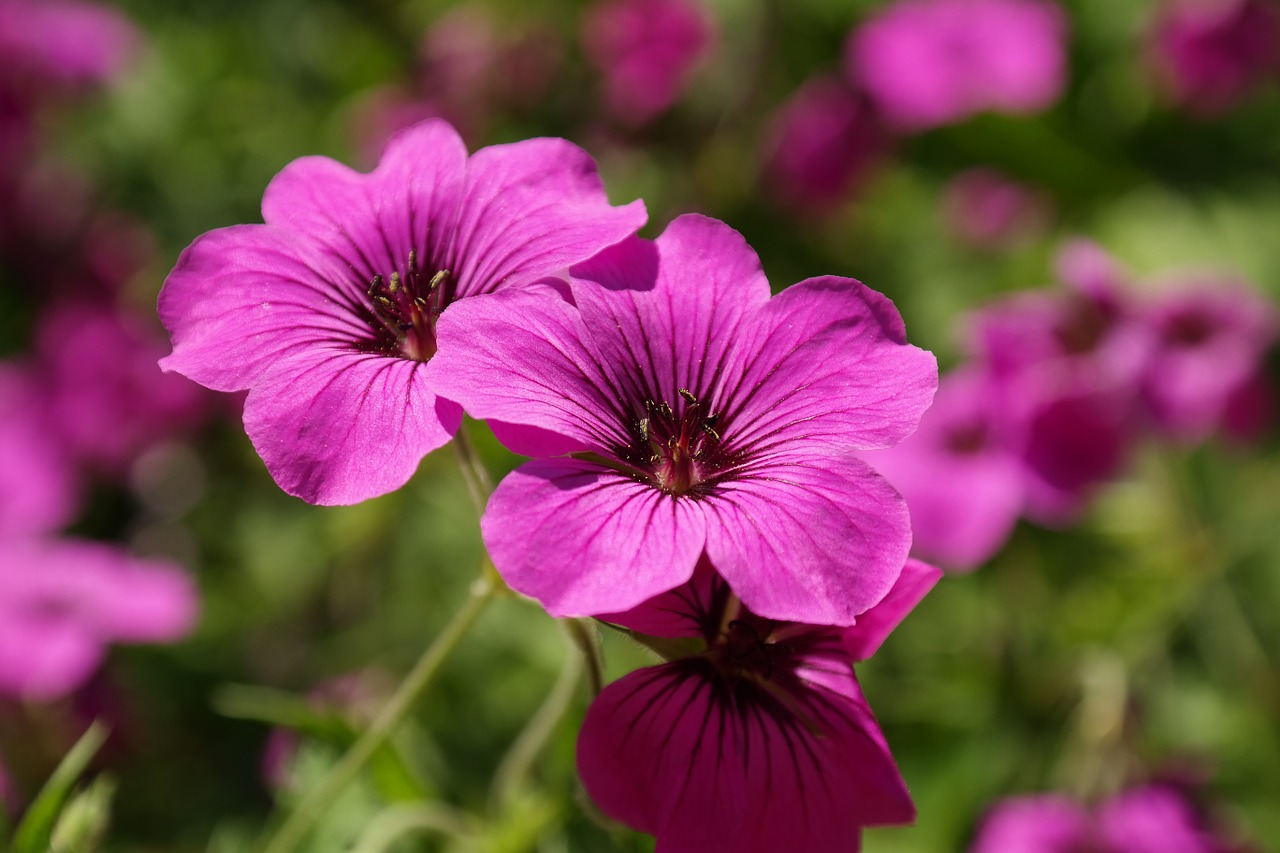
column 583, row 634
column 304, row 816
column 396, row 822
column 479, row 483
column 524, row 750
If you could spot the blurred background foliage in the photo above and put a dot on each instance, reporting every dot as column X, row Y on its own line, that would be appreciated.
column 1143, row 640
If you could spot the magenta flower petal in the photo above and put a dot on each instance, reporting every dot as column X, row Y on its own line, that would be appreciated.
column 962, row 482
column 758, row 743
column 1039, row 824
column 579, row 537
column 684, row 379
column 392, row 420
column 551, row 380
column 64, row 41
column 62, row 602
column 875, row 625
column 791, row 393
column 346, row 281
column 38, row 490
column 762, row 536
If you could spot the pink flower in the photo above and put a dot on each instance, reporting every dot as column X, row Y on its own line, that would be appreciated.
column 933, row 62
column 108, row 400
column 63, row 601
column 1210, row 338
column 1212, row 52
column 1153, row 819
column 1066, row 366
column 963, row 484
column 821, row 144
column 38, row 489
column 758, row 739
column 986, row 209
column 327, row 313
column 702, row 415
column 63, row 41
column 646, row 50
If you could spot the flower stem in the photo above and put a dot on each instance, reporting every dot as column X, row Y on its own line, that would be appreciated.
column 479, row 483
column 303, row 818
column 524, row 750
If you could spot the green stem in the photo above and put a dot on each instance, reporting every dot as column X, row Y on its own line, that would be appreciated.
column 524, row 750
column 586, row 638
column 303, row 817
column 479, row 483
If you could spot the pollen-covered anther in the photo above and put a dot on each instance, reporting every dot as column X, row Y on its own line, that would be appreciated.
column 677, row 443
column 408, row 306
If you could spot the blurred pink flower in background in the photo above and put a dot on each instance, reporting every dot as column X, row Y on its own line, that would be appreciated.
column 62, row 41
column 1066, row 365
column 63, row 601
column 1210, row 339
column 989, row 210
column 821, row 144
column 1151, row 819
column 934, row 62
column 758, row 737
column 107, row 397
column 38, row 489
column 1211, row 53
column 646, row 50
column 963, row 485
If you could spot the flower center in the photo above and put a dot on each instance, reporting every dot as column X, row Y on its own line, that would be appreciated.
column 405, row 309
column 744, row 649
column 674, row 444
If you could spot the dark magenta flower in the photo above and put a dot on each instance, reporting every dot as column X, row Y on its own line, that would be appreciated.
column 963, row 484
column 821, row 144
column 327, row 313
column 1210, row 338
column 108, row 400
column 758, row 738
column 702, row 415
column 1152, row 819
column 63, row 601
column 1066, row 365
column 38, row 489
column 1211, row 54
column 646, row 50
column 933, row 62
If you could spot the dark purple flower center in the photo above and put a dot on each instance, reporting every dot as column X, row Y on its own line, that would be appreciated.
column 1188, row 330
column 405, row 309
column 966, row 439
column 744, row 649
column 1083, row 327
column 677, row 446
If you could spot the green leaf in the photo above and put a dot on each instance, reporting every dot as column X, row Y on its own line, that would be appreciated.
column 35, row 832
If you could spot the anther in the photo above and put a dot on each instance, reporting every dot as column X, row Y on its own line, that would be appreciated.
column 688, row 396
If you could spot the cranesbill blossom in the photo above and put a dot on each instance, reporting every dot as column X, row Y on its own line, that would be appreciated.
column 821, row 144
column 964, row 486
column 701, row 414
column 989, row 210
column 755, row 736
column 1152, row 819
column 1210, row 336
column 62, row 41
column 933, row 62
column 1212, row 52
column 646, row 49
column 1067, row 365
column 38, row 490
column 108, row 399
column 327, row 313
column 63, row 601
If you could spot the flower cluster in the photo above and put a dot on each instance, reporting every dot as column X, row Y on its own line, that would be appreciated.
column 1150, row 819
column 84, row 402
column 694, row 439
column 1061, row 385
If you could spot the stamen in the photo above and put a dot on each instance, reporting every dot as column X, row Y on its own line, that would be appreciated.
column 407, row 307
